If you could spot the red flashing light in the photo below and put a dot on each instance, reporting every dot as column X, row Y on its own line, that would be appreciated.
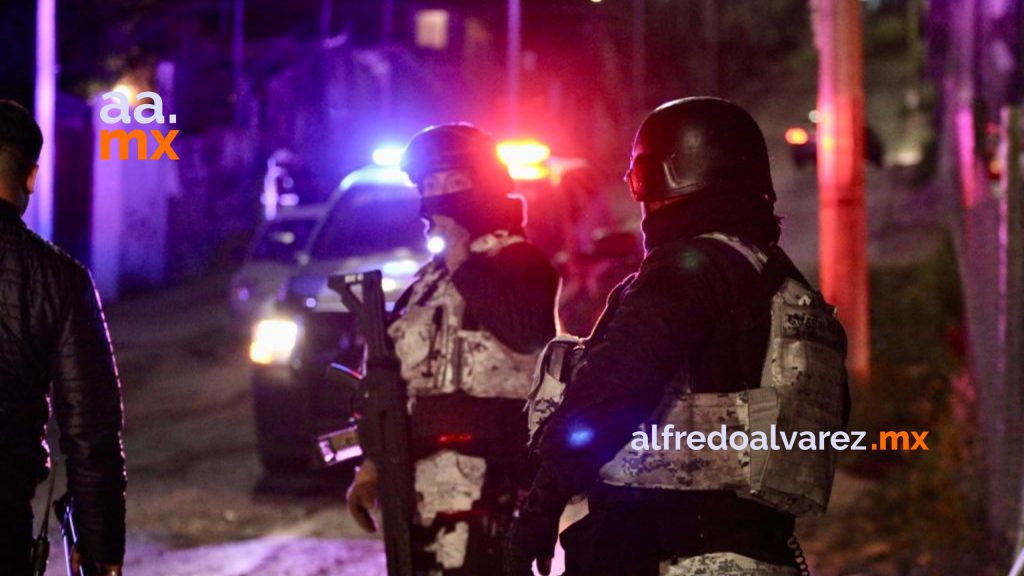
column 515, row 152
column 524, row 158
column 527, row 172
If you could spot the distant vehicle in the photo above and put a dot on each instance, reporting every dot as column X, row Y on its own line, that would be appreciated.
column 372, row 222
column 270, row 260
column 803, row 143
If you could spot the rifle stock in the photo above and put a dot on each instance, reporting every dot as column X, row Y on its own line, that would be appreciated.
column 382, row 423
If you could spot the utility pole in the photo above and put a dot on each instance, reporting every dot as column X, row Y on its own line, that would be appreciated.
column 842, row 223
column 512, row 61
column 238, row 59
column 982, row 93
column 40, row 214
column 1011, row 302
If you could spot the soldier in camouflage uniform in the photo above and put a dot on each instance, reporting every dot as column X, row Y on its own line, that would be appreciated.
column 467, row 333
column 666, row 344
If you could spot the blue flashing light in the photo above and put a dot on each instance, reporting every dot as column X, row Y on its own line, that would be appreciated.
column 435, row 244
column 404, row 267
column 580, row 436
column 375, row 176
column 388, row 155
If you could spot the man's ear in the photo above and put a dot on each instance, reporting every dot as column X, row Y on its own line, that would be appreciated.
column 30, row 182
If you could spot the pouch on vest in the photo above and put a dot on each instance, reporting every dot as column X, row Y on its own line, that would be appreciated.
column 554, row 368
column 439, row 355
column 802, row 389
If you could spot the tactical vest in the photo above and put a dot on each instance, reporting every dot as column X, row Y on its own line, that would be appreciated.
column 439, row 355
column 802, row 388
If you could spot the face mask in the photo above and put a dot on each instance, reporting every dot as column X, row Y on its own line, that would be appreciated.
column 476, row 214
column 458, row 207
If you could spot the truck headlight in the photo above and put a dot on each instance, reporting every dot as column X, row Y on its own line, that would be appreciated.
column 273, row 341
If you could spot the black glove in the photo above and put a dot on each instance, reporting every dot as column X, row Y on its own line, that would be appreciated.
column 532, row 537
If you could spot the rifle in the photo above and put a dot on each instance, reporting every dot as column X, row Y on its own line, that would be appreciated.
column 63, row 508
column 382, row 424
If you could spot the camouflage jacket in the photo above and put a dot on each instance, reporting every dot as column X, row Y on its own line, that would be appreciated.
column 477, row 330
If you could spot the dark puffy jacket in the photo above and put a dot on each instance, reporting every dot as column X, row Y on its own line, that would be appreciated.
column 52, row 330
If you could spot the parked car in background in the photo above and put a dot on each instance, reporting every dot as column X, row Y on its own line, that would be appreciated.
column 803, row 143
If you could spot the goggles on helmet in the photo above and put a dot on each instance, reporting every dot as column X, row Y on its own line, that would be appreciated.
column 647, row 175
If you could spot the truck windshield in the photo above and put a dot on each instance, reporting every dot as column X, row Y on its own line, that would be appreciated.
column 371, row 219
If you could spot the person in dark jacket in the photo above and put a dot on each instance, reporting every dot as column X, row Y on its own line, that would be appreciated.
column 53, row 334
column 467, row 334
column 700, row 168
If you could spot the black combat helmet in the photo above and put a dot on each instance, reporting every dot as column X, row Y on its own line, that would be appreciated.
column 485, row 203
column 453, row 147
column 696, row 144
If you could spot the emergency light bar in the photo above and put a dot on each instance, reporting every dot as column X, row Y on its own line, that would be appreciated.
column 516, row 152
column 527, row 172
column 388, row 155
column 524, row 158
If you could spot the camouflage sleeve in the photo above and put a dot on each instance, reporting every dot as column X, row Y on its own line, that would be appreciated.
column 666, row 313
column 512, row 295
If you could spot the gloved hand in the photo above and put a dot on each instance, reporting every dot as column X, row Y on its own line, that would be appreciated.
column 532, row 537
column 362, row 496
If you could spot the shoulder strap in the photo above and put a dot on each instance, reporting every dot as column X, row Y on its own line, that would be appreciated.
column 773, row 269
column 401, row 304
column 776, row 269
column 754, row 302
column 756, row 258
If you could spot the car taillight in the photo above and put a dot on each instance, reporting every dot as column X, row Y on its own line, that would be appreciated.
column 797, row 136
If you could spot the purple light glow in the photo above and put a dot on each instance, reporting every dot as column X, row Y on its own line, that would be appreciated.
column 40, row 215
